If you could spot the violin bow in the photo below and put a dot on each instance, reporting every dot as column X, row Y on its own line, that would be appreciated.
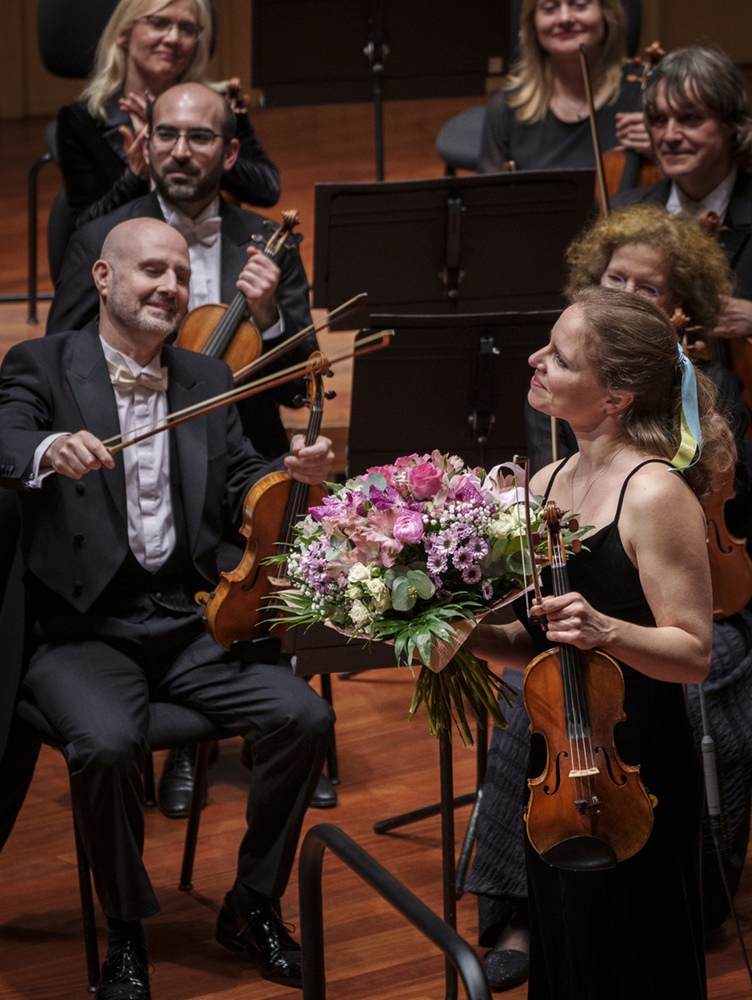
column 352, row 305
column 373, row 342
column 600, row 172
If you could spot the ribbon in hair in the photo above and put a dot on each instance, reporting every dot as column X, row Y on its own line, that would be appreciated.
column 691, row 434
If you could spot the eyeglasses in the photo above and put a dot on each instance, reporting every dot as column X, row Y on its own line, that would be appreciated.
column 188, row 30
column 164, row 137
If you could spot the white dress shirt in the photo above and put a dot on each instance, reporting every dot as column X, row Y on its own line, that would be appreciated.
column 202, row 235
column 151, row 526
column 717, row 201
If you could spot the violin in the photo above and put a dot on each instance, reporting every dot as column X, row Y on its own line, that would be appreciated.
column 227, row 332
column 587, row 810
column 236, row 608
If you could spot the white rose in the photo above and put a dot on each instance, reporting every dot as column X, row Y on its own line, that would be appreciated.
column 359, row 614
column 503, row 524
column 359, row 573
column 380, row 596
column 354, row 592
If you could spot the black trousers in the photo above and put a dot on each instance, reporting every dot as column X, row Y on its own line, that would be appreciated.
column 93, row 680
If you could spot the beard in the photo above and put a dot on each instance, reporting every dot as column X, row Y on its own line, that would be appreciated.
column 194, row 187
column 134, row 314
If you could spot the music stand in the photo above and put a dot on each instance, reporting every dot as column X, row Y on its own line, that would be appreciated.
column 492, row 243
column 341, row 51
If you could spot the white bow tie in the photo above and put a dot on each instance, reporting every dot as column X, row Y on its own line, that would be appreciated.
column 205, row 233
column 123, row 378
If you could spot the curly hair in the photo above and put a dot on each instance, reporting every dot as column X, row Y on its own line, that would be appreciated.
column 701, row 76
column 632, row 347
column 699, row 272
column 531, row 82
column 110, row 61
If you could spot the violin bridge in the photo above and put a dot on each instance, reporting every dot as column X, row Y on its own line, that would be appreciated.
column 584, row 772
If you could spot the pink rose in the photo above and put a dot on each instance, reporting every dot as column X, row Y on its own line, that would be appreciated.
column 408, row 527
column 425, row 480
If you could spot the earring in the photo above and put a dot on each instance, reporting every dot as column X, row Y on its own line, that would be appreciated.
column 605, row 410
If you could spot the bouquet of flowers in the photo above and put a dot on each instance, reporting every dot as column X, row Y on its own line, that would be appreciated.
column 415, row 553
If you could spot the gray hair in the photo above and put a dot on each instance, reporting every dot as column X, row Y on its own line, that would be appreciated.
column 701, row 76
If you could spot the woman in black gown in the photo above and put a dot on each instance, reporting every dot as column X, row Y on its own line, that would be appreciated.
column 641, row 593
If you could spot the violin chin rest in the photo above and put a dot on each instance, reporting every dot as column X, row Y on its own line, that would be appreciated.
column 581, row 854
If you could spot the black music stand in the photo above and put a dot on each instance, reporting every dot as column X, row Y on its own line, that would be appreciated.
column 341, row 51
column 449, row 244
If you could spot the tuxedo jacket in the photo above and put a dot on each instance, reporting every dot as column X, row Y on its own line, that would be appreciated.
column 74, row 533
column 76, row 300
column 738, row 222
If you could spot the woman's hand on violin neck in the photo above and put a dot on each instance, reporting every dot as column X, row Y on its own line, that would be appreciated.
column 258, row 282
column 310, row 464
column 572, row 620
column 632, row 133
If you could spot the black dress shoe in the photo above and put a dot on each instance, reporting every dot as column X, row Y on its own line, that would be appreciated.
column 325, row 796
column 506, row 969
column 125, row 975
column 176, row 783
column 262, row 938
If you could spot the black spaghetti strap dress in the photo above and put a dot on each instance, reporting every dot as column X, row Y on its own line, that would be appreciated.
column 633, row 932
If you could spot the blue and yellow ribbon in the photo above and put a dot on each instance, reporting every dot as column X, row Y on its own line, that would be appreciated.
column 690, row 447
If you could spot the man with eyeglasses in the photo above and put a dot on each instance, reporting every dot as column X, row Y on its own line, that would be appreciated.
column 191, row 142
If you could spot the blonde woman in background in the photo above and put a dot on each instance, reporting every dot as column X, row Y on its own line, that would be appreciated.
column 146, row 47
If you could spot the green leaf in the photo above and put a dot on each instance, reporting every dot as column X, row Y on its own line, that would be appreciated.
column 421, row 583
column 375, row 479
column 402, row 599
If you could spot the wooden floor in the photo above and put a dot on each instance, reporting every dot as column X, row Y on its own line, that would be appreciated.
column 387, row 764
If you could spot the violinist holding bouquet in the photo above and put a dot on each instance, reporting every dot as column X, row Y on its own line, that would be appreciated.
column 651, row 446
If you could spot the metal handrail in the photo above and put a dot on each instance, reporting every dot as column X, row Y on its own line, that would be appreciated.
column 324, row 835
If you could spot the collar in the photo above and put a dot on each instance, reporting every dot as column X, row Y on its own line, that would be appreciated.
column 174, row 217
column 717, row 201
column 117, row 358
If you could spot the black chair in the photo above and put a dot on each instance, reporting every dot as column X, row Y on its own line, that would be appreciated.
column 458, row 143
column 169, row 726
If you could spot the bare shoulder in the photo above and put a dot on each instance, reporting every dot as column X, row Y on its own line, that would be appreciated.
column 542, row 477
column 660, row 510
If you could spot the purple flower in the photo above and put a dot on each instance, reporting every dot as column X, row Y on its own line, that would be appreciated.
column 471, row 574
column 462, row 558
column 445, row 541
column 468, row 494
column 460, row 531
column 477, row 548
column 437, row 562
column 385, row 499
column 487, row 591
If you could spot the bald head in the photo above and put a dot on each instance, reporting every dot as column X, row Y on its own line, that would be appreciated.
column 139, row 236
column 143, row 278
